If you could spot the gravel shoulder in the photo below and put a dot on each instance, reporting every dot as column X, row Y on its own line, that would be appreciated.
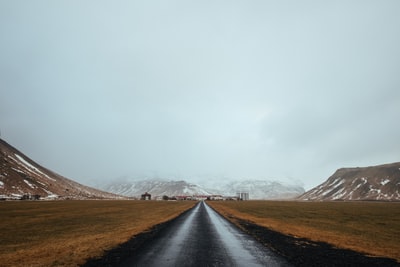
column 304, row 252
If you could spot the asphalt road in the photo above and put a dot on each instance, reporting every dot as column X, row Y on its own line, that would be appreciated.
column 202, row 237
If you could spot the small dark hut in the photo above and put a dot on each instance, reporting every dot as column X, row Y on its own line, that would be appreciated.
column 146, row 196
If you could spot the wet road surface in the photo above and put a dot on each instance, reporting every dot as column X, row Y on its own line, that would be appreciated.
column 201, row 237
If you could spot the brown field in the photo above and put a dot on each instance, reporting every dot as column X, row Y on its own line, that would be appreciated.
column 369, row 227
column 66, row 233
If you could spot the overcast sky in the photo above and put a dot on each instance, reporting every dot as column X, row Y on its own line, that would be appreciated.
column 200, row 90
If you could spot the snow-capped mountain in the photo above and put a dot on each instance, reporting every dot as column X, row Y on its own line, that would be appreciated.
column 156, row 187
column 263, row 189
column 257, row 189
column 380, row 182
column 21, row 177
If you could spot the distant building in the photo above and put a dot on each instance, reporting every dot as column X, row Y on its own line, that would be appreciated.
column 146, row 196
column 200, row 197
column 243, row 195
column 183, row 197
column 30, row 197
column 216, row 197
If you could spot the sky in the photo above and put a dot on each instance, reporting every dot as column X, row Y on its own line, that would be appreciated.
column 201, row 90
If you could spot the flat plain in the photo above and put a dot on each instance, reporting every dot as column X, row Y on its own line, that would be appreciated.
column 372, row 228
column 67, row 233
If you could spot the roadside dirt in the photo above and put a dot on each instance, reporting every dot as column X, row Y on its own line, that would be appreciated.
column 304, row 252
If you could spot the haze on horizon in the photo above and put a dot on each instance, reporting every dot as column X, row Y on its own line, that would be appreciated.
column 206, row 90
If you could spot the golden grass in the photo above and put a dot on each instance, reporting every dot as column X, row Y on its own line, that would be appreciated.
column 66, row 233
column 368, row 227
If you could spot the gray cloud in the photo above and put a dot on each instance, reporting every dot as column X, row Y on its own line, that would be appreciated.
column 261, row 89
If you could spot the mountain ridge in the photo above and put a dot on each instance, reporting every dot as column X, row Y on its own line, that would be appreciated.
column 21, row 177
column 380, row 183
column 257, row 189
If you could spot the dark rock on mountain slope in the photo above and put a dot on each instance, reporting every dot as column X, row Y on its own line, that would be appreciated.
column 21, row 177
column 380, row 182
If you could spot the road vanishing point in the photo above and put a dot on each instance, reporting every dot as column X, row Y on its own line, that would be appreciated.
column 201, row 237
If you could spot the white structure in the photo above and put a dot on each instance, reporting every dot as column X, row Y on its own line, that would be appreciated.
column 243, row 195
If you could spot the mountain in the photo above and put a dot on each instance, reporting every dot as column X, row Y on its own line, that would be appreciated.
column 156, row 187
column 262, row 189
column 21, row 177
column 257, row 189
column 369, row 183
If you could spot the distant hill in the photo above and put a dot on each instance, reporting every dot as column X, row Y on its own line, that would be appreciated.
column 257, row 189
column 156, row 187
column 368, row 183
column 263, row 189
column 21, row 177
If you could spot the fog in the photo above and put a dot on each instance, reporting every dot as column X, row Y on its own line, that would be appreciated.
column 201, row 90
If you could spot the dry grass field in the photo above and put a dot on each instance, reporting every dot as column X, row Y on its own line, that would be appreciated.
column 66, row 233
column 368, row 227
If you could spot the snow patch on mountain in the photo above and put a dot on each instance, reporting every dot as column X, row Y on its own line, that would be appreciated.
column 31, row 167
column 29, row 184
